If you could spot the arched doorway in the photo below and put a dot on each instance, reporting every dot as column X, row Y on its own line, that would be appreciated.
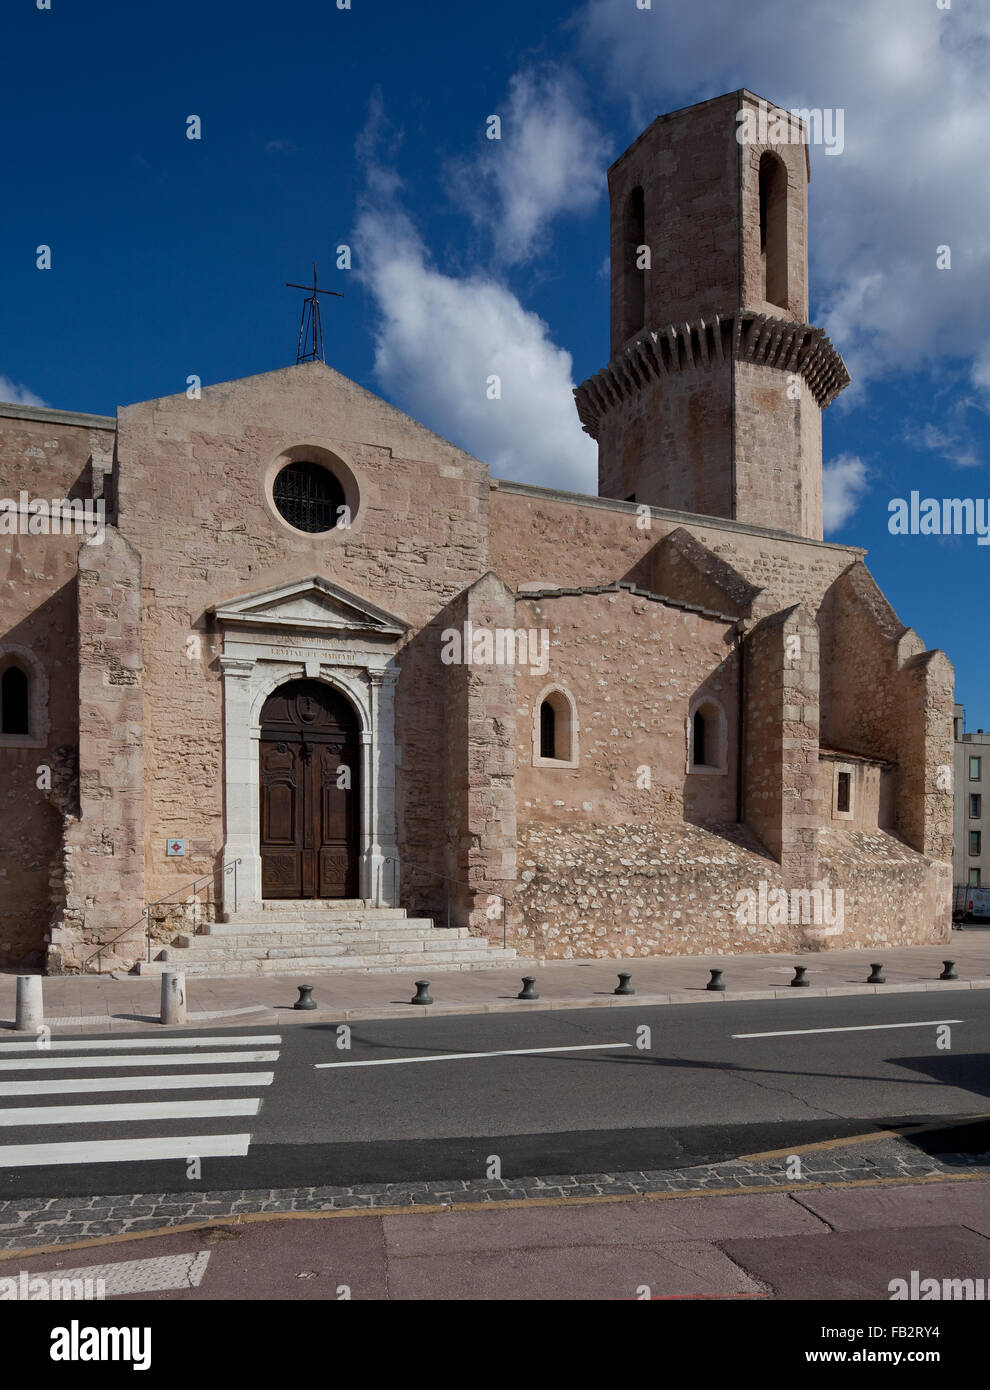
column 309, row 795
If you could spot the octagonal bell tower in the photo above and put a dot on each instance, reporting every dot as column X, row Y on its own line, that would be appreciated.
column 712, row 400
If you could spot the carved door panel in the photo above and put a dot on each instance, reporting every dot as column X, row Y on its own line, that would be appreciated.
column 309, row 763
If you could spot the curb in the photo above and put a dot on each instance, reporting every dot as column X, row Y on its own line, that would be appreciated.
column 284, row 1014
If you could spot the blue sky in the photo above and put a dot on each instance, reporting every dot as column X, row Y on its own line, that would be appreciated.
column 366, row 127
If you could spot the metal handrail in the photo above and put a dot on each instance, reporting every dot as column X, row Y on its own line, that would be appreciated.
column 506, row 902
column 224, row 868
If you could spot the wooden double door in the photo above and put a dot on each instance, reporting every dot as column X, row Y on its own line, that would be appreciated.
column 310, row 793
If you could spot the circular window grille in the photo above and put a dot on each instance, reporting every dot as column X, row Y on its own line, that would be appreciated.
column 308, row 497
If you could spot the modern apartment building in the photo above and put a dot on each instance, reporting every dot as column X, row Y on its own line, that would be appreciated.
column 971, row 828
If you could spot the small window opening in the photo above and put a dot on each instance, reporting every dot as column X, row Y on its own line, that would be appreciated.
column 14, row 701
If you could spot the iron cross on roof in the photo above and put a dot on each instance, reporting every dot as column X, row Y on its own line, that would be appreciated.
column 310, row 326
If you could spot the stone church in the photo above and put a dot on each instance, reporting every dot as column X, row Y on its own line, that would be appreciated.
column 310, row 687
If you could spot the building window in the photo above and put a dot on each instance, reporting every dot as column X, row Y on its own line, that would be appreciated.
column 773, row 229
column 975, row 840
column 707, row 739
column 699, row 749
column 843, row 792
column 974, row 878
column 974, row 769
column 555, row 730
column 308, row 496
column 634, row 279
column 548, row 731
column 975, row 806
column 14, row 701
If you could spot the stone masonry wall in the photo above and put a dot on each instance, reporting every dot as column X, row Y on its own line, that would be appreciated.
column 48, row 459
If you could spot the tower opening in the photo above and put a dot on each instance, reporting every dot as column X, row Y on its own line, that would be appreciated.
column 773, row 229
column 634, row 279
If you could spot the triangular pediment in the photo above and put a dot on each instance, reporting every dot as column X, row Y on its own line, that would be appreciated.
column 314, row 604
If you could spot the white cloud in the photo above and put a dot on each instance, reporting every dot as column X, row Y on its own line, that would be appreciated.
column 441, row 337
column 550, row 160
column 844, row 481
column 953, row 446
column 12, row 394
column 911, row 80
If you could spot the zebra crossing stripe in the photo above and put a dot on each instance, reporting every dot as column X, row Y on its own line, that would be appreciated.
column 180, row 1147
column 76, row 1085
column 136, row 1041
column 181, row 1059
column 117, row 1113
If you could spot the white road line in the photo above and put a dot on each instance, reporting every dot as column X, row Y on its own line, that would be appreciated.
column 464, row 1056
column 860, row 1028
column 180, row 1059
column 116, row 1113
column 125, row 1150
column 74, row 1085
column 153, row 1275
column 136, row 1041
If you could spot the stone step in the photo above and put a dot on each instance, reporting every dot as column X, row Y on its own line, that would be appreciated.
column 328, row 965
column 325, row 928
column 421, row 946
column 263, row 935
column 314, row 907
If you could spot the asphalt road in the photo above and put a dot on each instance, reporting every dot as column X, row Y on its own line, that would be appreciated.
column 402, row 1105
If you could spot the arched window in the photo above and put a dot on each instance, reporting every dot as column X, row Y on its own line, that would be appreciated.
column 707, row 737
column 698, row 747
column 773, row 229
column 14, row 701
column 634, row 279
column 548, row 731
column 555, row 730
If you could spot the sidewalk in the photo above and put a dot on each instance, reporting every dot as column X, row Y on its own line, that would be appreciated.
column 129, row 1003
column 816, row 1241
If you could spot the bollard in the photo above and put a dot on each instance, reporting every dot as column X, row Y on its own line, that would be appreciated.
column 949, row 973
column 173, row 996
column 876, row 975
column 422, row 995
column 527, row 991
column 305, row 1000
column 30, row 1007
column 716, row 981
column 800, row 971
column 624, row 986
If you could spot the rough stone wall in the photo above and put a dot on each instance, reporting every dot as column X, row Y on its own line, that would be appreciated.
column 669, row 443
column 778, row 451
column 892, row 895
column 48, row 459
column 782, row 796
column 103, row 862
column 480, row 739
column 194, row 497
column 546, row 538
column 605, row 891
column 632, row 667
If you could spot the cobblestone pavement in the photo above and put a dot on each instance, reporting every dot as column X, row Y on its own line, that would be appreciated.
column 26, row 1223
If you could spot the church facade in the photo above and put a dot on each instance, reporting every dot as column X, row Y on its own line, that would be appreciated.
column 303, row 657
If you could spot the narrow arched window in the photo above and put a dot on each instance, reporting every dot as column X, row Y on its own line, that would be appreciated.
column 699, row 741
column 773, row 229
column 634, row 278
column 14, row 701
column 548, row 730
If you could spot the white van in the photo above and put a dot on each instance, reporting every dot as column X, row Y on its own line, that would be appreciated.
column 977, row 902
